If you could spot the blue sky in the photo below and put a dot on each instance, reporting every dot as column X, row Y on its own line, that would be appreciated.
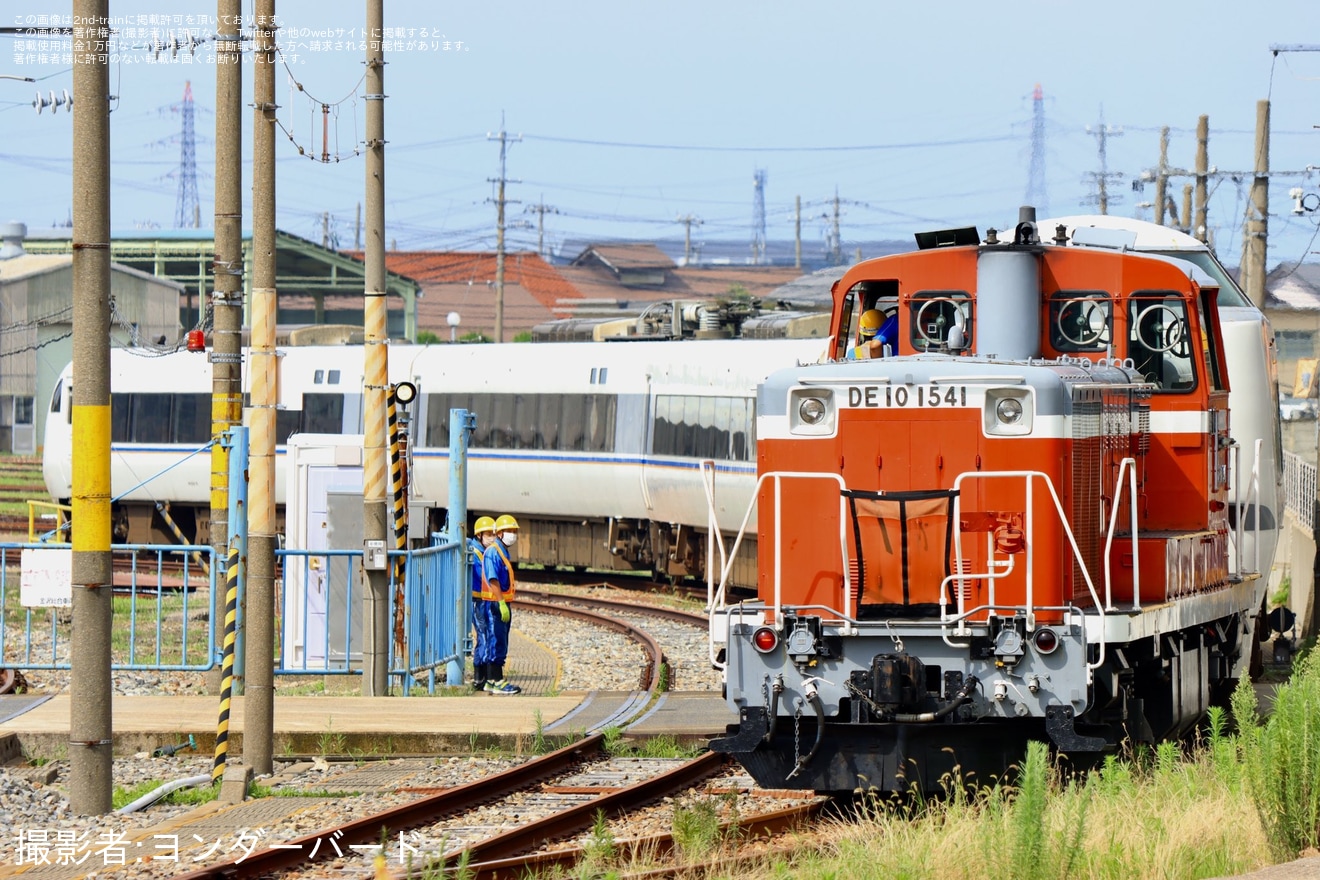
column 634, row 114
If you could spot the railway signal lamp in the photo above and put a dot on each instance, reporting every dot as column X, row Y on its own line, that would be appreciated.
column 405, row 393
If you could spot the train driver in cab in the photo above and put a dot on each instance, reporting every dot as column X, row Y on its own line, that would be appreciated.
column 875, row 335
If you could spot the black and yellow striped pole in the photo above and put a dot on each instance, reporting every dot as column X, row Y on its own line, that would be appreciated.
column 227, row 665
column 236, row 443
column 400, row 395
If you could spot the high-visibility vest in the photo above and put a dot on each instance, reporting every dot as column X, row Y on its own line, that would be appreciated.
column 494, row 587
column 479, row 562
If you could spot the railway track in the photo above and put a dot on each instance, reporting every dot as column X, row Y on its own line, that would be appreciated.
column 553, row 798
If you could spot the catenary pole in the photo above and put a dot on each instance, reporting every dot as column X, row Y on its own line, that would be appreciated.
column 1200, row 226
column 376, row 632
column 258, row 611
column 90, row 728
column 1258, row 210
column 227, row 288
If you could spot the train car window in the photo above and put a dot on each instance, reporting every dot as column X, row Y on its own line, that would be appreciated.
column 323, row 413
column 191, row 419
column 1209, row 344
column 1159, row 342
column 846, row 332
column 332, row 378
column 437, row 421
column 722, row 427
column 1080, row 320
column 286, row 424
column 318, row 377
column 571, row 436
column 740, row 427
column 547, row 421
column 121, row 408
column 600, row 422
column 502, row 432
column 480, row 407
column 150, row 418
column 662, row 431
column 934, row 314
column 57, row 396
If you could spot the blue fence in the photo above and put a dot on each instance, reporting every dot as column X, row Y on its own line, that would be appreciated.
column 160, row 612
column 321, row 626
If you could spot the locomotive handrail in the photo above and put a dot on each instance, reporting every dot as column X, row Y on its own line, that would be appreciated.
column 1130, row 465
column 1252, row 502
column 1028, row 519
column 715, row 596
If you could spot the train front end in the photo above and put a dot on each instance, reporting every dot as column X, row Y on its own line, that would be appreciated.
column 949, row 535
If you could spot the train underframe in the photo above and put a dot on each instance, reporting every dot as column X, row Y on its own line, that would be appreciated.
column 668, row 551
column 904, row 725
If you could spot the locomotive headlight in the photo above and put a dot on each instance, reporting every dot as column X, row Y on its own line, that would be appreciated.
column 811, row 411
column 1008, row 411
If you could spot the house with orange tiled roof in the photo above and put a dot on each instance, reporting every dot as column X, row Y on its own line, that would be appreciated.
column 463, row 283
column 634, row 275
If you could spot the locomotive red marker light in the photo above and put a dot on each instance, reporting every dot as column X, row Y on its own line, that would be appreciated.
column 1046, row 641
column 765, row 639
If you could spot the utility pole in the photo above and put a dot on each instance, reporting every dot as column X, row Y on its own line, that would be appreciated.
column 835, row 243
column 1102, row 134
column 500, row 202
column 376, row 629
column 325, row 229
column 357, row 229
column 1200, row 227
column 227, row 287
column 1258, row 211
column 688, row 221
column 91, row 733
column 541, row 209
column 259, row 605
column 758, row 217
column 1186, row 224
column 797, row 232
column 1162, row 176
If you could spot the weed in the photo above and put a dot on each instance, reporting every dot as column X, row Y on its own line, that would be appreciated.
column 330, row 743
column 538, row 737
column 696, row 828
column 600, row 850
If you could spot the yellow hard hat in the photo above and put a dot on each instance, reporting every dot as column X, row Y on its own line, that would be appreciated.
column 871, row 321
column 506, row 523
column 483, row 524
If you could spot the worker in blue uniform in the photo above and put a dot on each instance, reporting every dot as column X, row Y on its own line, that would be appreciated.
column 876, row 333
column 500, row 583
column 483, row 609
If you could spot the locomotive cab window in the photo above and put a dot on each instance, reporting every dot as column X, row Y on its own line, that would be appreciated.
column 1160, row 342
column 1080, row 320
column 940, row 320
column 868, row 296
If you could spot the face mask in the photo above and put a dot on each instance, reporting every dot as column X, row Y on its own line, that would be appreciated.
column 509, row 538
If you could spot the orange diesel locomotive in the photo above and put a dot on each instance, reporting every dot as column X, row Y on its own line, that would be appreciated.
column 1022, row 520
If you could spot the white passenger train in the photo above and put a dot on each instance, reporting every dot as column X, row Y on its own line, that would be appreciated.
column 594, row 447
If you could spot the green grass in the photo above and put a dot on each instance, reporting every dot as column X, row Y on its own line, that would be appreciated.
column 200, row 794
